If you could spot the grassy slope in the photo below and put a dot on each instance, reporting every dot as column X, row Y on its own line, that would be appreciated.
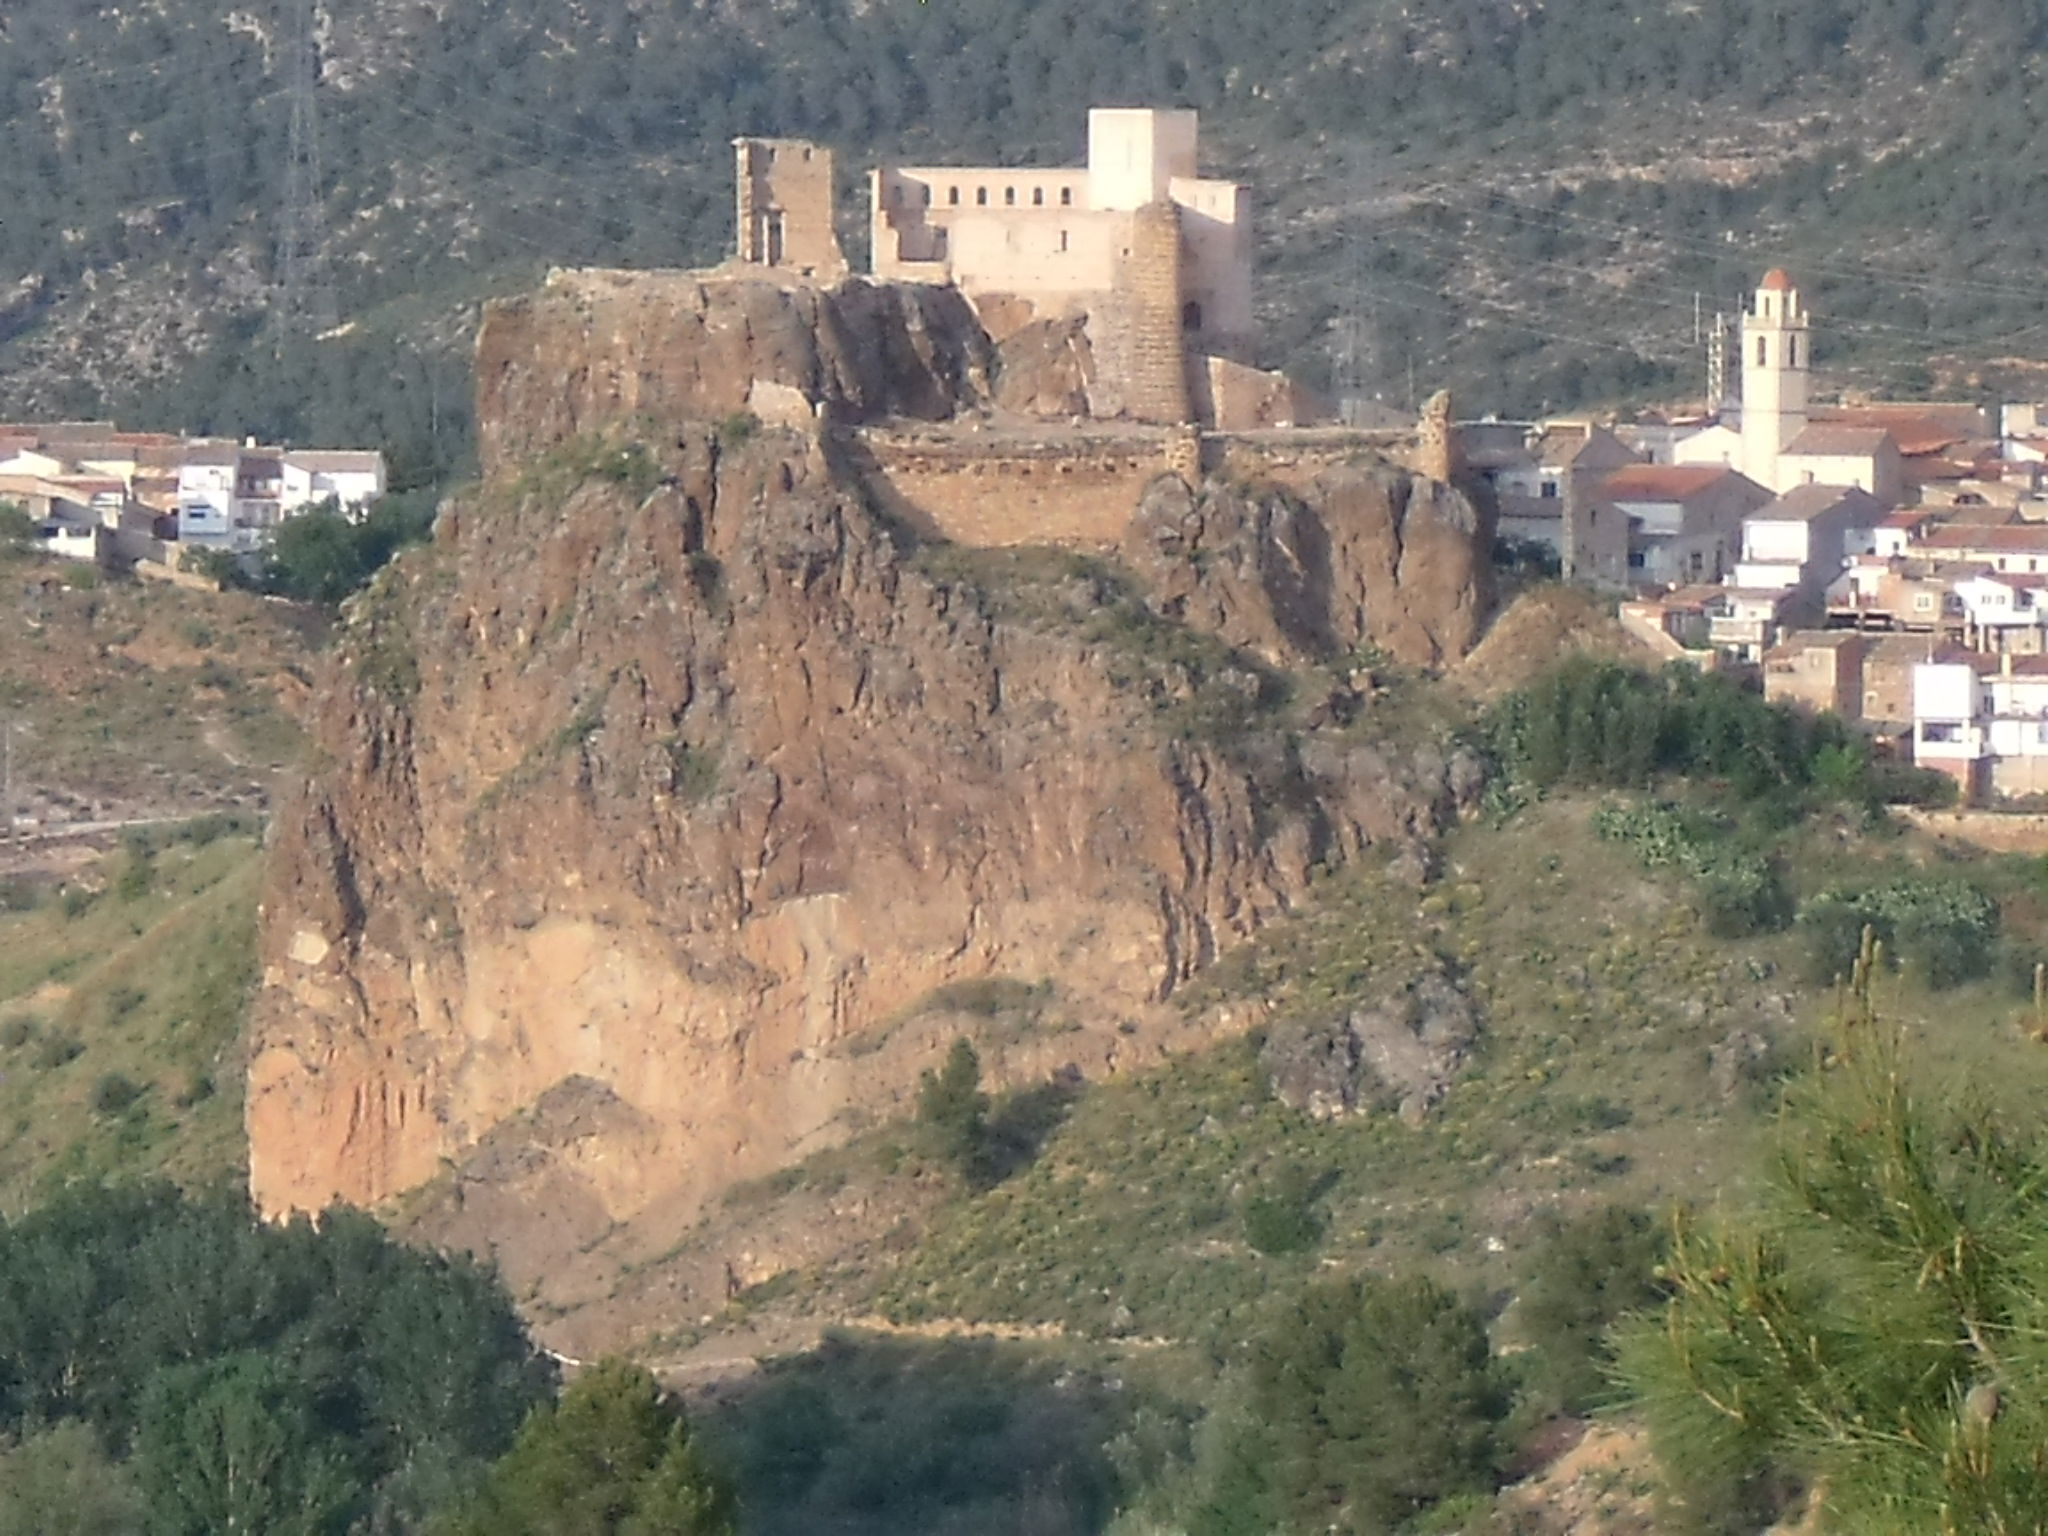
column 147, row 989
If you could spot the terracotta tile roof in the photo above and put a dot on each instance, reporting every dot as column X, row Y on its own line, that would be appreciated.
column 1837, row 442
column 2019, row 538
column 1662, row 482
column 1803, row 503
column 336, row 460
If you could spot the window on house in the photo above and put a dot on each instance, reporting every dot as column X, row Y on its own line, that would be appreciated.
column 1791, row 351
column 1923, row 601
column 953, row 196
column 1009, row 197
column 807, row 151
column 1063, row 239
column 1549, row 488
column 925, row 197
column 981, row 197
column 1038, row 197
column 1763, row 350
column 1066, row 197
column 1941, row 730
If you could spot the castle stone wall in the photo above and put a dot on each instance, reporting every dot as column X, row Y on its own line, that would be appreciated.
column 1078, row 489
column 1022, row 492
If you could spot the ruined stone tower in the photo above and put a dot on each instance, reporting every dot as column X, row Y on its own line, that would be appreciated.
column 785, row 207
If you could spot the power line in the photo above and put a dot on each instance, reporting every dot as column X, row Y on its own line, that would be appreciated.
column 305, row 299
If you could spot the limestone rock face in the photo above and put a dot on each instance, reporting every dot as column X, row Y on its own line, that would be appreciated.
column 657, row 800
column 596, row 347
column 1369, row 554
column 1406, row 1047
column 1047, row 368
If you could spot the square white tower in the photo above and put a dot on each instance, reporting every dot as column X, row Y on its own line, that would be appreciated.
column 1777, row 354
column 1135, row 152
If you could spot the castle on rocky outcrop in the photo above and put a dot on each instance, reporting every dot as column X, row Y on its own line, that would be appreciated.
column 1133, row 255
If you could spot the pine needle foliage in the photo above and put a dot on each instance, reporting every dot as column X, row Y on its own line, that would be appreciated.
column 1879, row 1325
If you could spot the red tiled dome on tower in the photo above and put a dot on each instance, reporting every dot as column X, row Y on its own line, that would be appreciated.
column 1777, row 280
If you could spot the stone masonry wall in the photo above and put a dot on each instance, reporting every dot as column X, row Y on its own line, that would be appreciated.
column 1079, row 489
column 981, row 493
column 1158, row 385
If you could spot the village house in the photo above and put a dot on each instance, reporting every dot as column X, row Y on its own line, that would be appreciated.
column 1799, row 542
column 1685, row 521
column 1542, row 479
column 1983, row 720
column 2016, row 547
column 1818, row 669
column 146, row 492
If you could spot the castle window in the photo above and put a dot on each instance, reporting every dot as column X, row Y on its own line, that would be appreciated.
column 1063, row 239
column 953, row 196
column 1791, row 351
column 1066, row 197
column 1009, row 197
column 1191, row 316
column 773, row 152
column 1763, row 350
column 1038, row 197
column 981, row 197
column 925, row 200
column 807, row 151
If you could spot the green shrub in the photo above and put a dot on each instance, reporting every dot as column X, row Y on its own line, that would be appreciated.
column 1587, row 1274
column 138, row 876
column 952, row 1111
column 58, row 1048
column 18, row 1031
column 1740, row 891
column 1368, row 1397
column 1281, row 1217
column 114, row 1093
column 1943, row 926
column 77, row 900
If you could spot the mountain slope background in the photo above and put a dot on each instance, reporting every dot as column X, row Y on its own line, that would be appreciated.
column 1529, row 203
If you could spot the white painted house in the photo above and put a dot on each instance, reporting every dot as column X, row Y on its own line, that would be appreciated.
column 1983, row 720
column 1800, row 541
column 310, row 476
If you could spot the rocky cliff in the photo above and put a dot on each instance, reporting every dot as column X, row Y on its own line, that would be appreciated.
column 667, row 805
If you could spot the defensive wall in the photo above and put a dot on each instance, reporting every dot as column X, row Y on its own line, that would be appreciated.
column 1077, row 486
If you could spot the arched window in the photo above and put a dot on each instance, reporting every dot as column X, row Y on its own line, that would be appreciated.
column 1066, row 197
column 981, row 197
column 1191, row 316
column 1791, row 351
column 1763, row 350
column 1038, row 197
column 926, row 200
column 1009, row 197
column 953, row 196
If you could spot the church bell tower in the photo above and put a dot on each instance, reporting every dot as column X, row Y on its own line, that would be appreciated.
column 1777, row 353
